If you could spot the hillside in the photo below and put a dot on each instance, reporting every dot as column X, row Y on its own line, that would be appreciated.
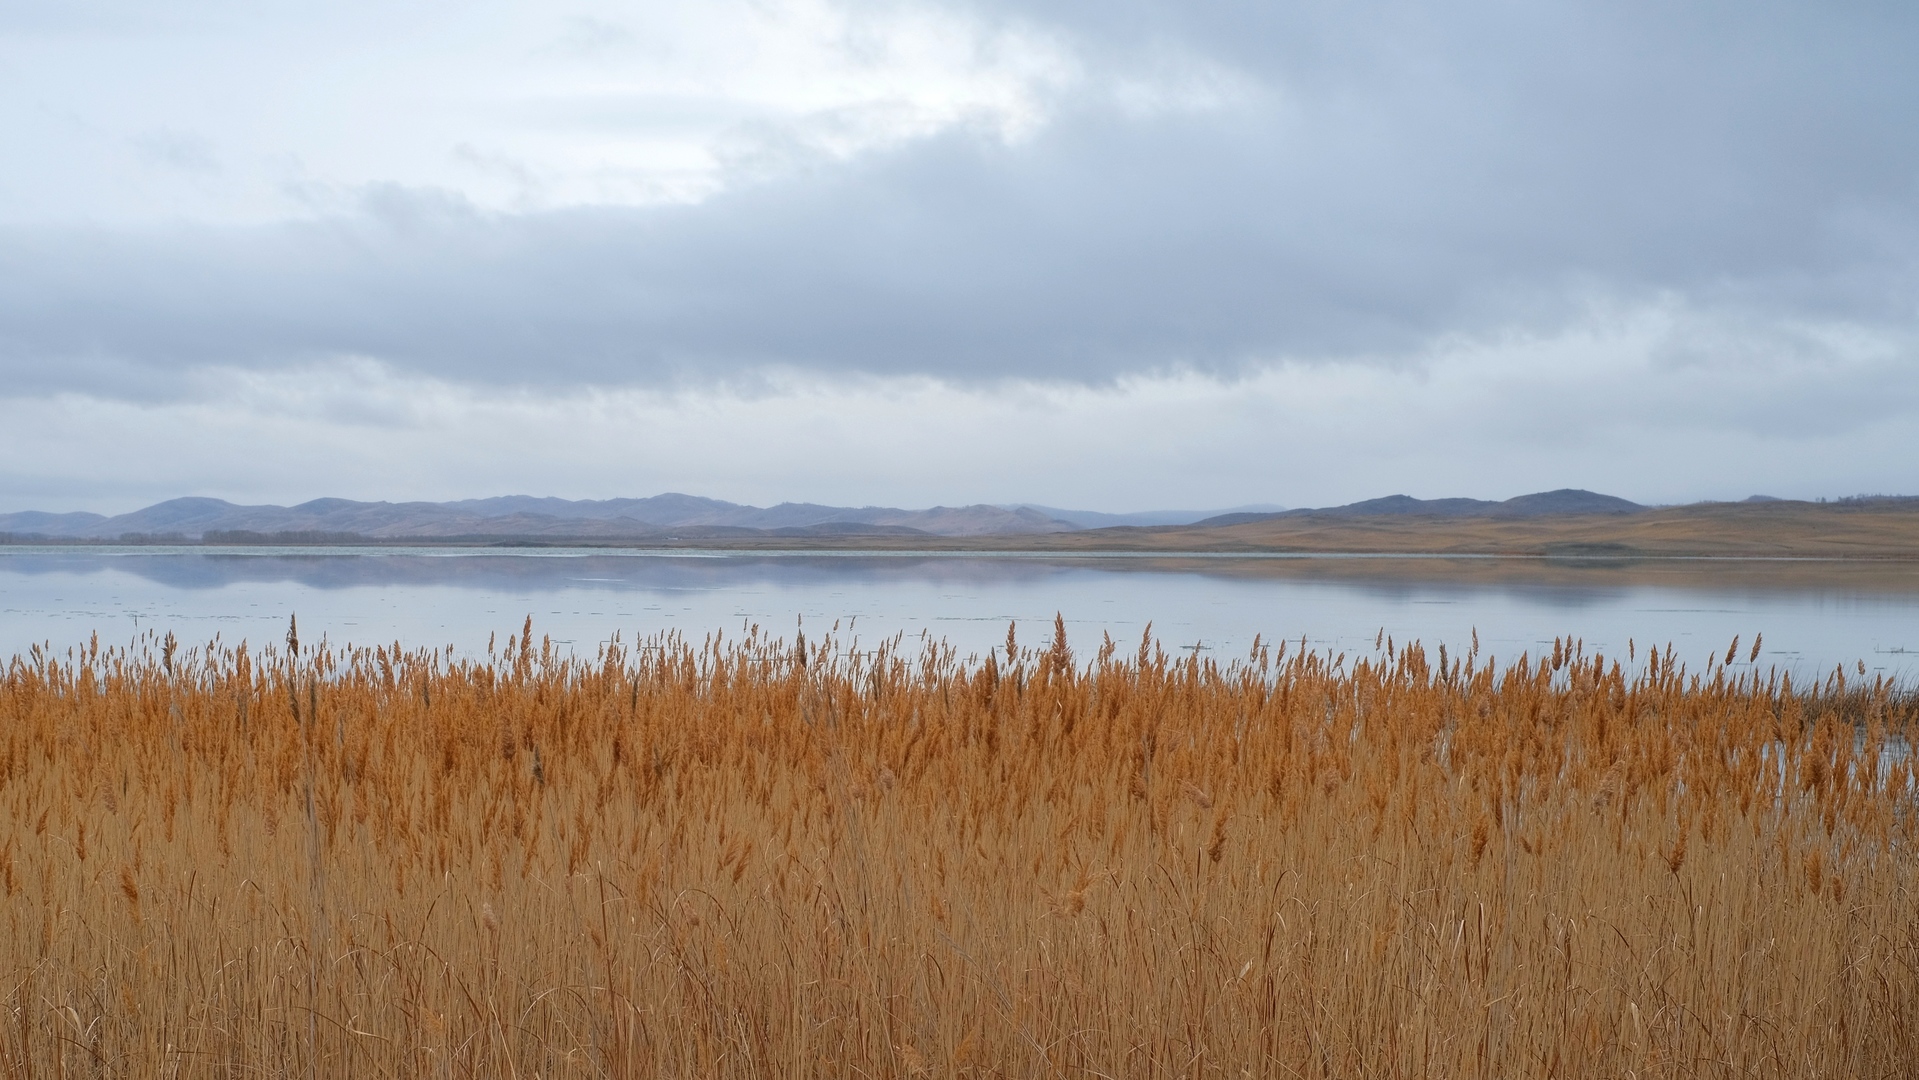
column 1556, row 523
column 1882, row 529
column 663, row 518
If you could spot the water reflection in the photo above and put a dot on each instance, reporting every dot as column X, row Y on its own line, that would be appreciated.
column 1814, row 614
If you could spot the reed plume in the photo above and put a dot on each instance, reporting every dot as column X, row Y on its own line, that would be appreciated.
column 754, row 857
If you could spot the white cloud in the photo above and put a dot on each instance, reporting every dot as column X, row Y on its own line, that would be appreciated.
column 514, row 107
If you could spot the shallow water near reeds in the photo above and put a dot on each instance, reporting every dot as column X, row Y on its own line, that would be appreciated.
column 1813, row 615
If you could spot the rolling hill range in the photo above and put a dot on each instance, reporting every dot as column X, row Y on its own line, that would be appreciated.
column 1567, row 522
column 525, row 517
column 1565, row 501
column 1885, row 528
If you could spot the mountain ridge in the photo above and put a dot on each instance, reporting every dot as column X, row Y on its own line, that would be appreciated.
column 1560, row 501
column 676, row 516
column 667, row 515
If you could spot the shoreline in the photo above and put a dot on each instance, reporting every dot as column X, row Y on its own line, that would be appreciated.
column 1873, row 533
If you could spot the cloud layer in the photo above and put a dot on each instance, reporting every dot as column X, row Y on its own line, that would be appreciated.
column 1401, row 246
column 1605, row 408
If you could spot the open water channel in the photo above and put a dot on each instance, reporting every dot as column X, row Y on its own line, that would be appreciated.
column 1814, row 615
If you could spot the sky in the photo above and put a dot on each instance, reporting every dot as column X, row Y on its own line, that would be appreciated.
column 1116, row 256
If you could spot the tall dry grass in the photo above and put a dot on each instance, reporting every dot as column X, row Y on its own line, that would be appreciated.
column 759, row 859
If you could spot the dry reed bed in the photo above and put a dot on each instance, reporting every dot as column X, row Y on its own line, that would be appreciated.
column 761, row 859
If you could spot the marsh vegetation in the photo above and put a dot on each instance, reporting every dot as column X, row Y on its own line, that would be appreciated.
column 758, row 857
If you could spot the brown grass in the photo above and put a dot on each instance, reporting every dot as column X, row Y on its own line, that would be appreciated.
column 1712, row 530
column 755, row 859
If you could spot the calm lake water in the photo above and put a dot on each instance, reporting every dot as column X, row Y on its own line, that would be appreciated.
column 1814, row 615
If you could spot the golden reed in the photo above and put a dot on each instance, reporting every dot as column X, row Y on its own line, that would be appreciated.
column 749, row 858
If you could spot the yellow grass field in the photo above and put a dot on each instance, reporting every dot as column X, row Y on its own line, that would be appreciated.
column 749, row 858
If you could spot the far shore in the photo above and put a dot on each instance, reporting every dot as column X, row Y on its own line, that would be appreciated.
column 1876, row 533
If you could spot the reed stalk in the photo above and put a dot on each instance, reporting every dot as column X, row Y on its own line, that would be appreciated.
column 754, row 857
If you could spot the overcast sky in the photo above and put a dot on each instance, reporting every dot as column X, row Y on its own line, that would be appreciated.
column 1117, row 255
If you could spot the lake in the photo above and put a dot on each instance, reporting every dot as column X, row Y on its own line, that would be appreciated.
column 1813, row 614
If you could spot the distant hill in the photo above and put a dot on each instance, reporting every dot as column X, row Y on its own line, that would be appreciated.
column 669, row 516
column 1094, row 519
column 1564, row 501
column 1565, row 522
column 1877, row 528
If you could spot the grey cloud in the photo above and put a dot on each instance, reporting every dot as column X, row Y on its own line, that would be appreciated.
column 1406, row 175
column 179, row 150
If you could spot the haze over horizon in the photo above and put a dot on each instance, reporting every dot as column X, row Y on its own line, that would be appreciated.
column 1113, row 257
